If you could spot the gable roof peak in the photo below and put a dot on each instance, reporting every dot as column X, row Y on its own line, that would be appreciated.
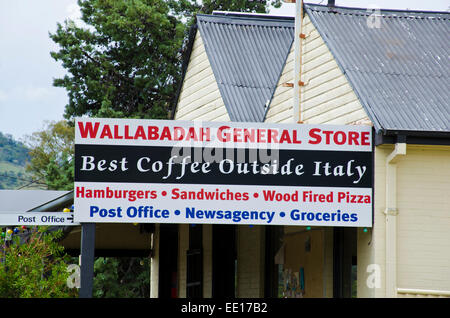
column 247, row 55
column 398, row 67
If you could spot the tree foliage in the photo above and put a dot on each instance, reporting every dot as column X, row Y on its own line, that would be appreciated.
column 126, row 61
column 124, row 64
column 121, row 277
column 188, row 9
column 35, row 268
column 51, row 153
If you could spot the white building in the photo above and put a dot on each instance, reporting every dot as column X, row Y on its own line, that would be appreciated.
column 392, row 73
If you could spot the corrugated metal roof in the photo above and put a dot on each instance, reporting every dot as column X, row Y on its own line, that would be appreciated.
column 400, row 71
column 247, row 55
column 27, row 200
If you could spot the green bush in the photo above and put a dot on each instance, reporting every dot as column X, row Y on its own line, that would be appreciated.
column 121, row 277
column 34, row 266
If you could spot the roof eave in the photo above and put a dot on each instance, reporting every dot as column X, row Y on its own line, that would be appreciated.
column 412, row 137
column 186, row 58
column 56, row 204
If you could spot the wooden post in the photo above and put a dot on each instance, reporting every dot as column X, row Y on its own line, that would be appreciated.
column 298, row 60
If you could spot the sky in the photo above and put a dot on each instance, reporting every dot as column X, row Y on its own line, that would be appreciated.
column 27, row 95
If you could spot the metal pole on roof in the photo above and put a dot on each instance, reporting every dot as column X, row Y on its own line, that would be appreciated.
column 87, row 260
column 298, row 60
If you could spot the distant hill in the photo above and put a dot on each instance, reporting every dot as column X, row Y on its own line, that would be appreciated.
column 13, row 159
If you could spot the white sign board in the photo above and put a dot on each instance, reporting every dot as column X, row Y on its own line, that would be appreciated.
column 161, row 171
column 37, row 218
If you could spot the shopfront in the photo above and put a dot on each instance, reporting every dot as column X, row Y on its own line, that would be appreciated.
column 355, row 204
column 247, row 210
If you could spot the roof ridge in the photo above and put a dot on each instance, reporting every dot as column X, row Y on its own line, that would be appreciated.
column 244, row 20
column 394, row 13
column 243, row 23
column 251, row 15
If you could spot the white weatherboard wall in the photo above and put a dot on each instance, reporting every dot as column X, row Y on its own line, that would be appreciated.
column 326, row 97
column 200, row 97
column 280, row 110
column 423, row 224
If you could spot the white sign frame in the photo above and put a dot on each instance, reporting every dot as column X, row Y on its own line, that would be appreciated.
column 315, row 205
